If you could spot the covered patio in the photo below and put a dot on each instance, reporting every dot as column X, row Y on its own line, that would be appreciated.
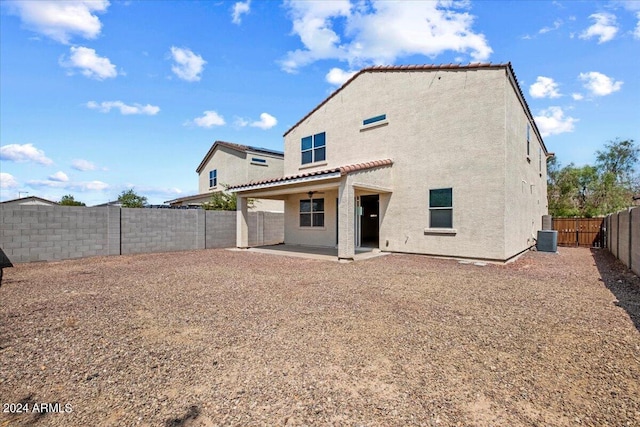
column 323, row 209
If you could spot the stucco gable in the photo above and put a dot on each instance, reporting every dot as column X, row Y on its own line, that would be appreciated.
column 238, row 148
column 429, row 68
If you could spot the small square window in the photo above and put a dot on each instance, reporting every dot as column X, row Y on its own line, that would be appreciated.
column 312, row 213
column 313, row 148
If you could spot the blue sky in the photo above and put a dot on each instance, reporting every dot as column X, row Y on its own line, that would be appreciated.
column 101, row 96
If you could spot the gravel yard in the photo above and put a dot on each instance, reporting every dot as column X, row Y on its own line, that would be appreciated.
column 216, row 337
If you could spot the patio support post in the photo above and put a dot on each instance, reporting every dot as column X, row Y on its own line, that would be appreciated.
column 242, row 223
column 346, row 219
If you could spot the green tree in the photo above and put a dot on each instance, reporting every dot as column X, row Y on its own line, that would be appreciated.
column 68, row 200
column 223, row 201
column 618, row 159
column 595, row 190
column 130, row 199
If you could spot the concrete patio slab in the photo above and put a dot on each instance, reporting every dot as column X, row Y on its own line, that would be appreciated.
column 313, row 252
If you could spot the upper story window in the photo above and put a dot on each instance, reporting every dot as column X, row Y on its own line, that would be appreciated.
column 528, row 139
column 313, row 148
column 258, row 160
column 441, row 208
column 213, row 178
column 312, row 213
column 374, row 119
column 540, row 159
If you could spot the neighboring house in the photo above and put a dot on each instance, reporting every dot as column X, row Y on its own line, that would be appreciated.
column 230, row 164
column 431, row 159
column 110, row 203
column 30, row 200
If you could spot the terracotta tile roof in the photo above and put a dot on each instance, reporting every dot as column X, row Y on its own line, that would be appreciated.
column 343, row 170
column 237, row 147
column 431, row 67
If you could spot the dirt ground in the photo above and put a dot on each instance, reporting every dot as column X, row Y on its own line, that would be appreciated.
column 216, row 337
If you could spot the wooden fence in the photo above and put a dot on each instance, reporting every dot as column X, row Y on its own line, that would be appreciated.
column 587, row 232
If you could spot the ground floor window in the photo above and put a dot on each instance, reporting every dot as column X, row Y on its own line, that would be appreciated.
column 312, row 213
column 441, row 208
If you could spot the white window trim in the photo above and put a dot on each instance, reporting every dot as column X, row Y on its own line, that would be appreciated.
column 374, row 125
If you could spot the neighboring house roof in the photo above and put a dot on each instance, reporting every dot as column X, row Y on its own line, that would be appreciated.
column 341, row 170
column 26, row 200
column 111, row 203
column 237, row 147
column 190, row 198
column 433, row 67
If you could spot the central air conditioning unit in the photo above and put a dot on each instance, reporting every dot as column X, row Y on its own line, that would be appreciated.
column 547, row 241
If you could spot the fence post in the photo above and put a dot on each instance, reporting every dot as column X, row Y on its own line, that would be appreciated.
column 618, row 236
column 630, row 236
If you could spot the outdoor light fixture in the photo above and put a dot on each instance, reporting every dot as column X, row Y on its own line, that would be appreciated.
column 310, row 193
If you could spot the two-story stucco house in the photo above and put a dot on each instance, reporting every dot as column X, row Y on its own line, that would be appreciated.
column 228, row 164
column 433, row 159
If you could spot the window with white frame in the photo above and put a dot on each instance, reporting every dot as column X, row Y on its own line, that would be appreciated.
column 528, row 139
column 441, row 208
column 213, row 178
column 312, row 213
column 313, row 148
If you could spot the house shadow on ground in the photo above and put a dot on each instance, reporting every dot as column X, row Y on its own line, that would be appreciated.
column 621, row 281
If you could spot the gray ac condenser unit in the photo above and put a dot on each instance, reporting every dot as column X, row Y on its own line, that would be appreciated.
column 547, row 241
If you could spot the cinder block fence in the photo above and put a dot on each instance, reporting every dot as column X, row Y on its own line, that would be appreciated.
column 45, row 233
column 623, row 237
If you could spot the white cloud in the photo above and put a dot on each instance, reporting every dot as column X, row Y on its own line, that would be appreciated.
column 91, row 186
column 77, row 186
column 7, row 180
column 106, row 106
column 209, row 119
column 636, row 32
column 599, row 84
column 59, row 176
column 24, row 153
column 544, row 87
column 188, row 65
column 378, row 32
column 239, row 9
column 604, row 28
column 83, row 165
column 577, row 96
column 556, row 24
column 338, row 77
column 267, row 121
column 90, row 64
column 60, row 20
column 240, row 122
column 552, row 121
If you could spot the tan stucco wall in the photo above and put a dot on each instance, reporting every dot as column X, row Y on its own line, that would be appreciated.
column 235, row 167
column 310, row 236
column 525, row 179
column 445, row 129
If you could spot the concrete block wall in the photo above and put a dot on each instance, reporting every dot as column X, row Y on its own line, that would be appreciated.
column 45, row 233
column 273, row 229
column 220, row 229
column 160, row 230
column 623, row 237
column 614, row 234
